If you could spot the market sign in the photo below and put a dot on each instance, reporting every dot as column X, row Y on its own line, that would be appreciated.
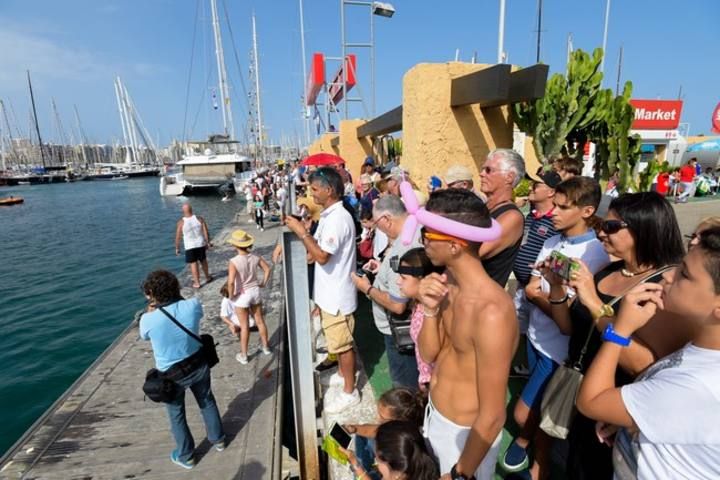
column 656, row 114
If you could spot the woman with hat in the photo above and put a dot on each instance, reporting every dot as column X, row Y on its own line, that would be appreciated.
column 244, row 291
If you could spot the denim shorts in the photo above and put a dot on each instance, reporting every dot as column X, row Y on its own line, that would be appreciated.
column 541, row 370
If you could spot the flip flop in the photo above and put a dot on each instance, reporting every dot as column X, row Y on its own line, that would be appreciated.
column 196, row 285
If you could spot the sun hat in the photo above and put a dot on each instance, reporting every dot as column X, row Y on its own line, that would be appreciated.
column 241, row 239
column 457, row 173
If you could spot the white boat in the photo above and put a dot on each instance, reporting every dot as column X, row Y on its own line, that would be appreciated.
column 206, row 172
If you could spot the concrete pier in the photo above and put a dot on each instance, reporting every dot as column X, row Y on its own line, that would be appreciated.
column 104, row 428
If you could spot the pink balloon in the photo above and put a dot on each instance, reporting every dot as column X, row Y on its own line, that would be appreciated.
column 440, row 223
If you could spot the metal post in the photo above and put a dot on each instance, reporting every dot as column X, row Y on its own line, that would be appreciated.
column 372, row 61
column 257, row 91
column 501, row 34
column 342, row 62
column 605, row 34
column 306, row 120
column 299, row 341
column 539, row 30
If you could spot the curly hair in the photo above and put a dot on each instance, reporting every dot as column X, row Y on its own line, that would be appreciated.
column 406, row 404
column 162, row 286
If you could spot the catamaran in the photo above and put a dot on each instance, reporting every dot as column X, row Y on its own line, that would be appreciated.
column 214, row 164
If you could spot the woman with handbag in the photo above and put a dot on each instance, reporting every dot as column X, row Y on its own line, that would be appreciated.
column 640, row 230
column 179, row 358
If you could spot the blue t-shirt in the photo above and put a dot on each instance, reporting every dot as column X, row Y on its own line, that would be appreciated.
column 170, row 344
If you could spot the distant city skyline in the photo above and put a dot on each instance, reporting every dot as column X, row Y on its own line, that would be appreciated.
column 74, row 49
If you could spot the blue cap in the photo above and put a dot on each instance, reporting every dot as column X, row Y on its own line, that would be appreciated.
column 435, row 182
column 369, row 161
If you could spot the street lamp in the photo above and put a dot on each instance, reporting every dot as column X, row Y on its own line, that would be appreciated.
column 381, row 9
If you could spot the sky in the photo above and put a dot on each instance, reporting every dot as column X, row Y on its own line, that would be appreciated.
column 75, row 48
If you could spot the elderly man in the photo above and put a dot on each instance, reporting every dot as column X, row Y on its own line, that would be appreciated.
column 503, row 170
column 333, row 250
column 389, row 215
column 193, row 231
column 459, row 176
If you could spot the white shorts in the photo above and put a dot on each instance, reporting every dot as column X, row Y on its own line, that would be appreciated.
column 447, row 440
column 249, row 297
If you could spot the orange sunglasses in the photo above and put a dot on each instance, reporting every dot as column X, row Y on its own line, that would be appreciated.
column 441, row 237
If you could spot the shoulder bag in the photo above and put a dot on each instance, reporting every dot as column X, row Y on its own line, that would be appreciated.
column 157, row 386
column 557, row 408
column 400, row 330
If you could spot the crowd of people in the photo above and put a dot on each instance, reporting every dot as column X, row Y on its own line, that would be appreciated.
column 618, row 311
column 622, row 301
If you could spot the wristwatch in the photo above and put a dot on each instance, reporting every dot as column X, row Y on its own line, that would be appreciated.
column 459, row 476
column 605, row 311
column 609, row 335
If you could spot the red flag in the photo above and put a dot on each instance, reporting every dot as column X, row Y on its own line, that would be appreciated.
column 716, row 119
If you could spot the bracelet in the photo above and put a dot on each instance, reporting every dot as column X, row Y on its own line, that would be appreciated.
column 367, row 294
column 427, row 314
column 559, row 301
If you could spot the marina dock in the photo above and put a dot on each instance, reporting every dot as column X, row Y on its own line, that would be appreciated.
column 104, row 428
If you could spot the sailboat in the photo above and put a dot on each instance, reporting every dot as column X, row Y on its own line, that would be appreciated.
column 208, row 165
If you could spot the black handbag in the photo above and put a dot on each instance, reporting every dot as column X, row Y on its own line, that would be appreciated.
column 207, row 342
column 400, row 330
column 158, row 388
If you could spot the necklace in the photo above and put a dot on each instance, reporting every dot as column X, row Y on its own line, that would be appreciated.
column 627, row 273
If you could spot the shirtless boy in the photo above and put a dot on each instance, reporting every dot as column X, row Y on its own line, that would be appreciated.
column 470, row 333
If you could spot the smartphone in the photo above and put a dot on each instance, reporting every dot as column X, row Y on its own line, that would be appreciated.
column 342, row 437
column 360, row 272
column 563, row 265
column 296, row 217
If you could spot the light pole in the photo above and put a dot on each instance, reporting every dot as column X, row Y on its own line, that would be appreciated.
column 501, row 34
column 381, row 9
column 605, row 33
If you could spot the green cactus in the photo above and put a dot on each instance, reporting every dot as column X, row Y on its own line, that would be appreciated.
column 574, row 110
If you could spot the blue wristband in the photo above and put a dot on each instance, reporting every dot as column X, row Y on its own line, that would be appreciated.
column 609, row 335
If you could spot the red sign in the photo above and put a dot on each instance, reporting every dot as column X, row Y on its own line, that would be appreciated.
column 335, row 92
column 656, row 114
column 316, row 79
column 716, row 119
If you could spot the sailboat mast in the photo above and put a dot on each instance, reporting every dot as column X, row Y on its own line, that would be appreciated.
column 222, row 75
column 257, row 92
column 35, row 120
column 120, row 111
column 81, row 134
column 131, row 122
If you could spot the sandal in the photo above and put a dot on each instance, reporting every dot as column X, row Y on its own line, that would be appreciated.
column 196, row 285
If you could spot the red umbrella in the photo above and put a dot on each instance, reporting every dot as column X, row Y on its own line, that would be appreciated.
column 322, row 160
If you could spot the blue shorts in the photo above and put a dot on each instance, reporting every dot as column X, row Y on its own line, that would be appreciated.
column 541, row 370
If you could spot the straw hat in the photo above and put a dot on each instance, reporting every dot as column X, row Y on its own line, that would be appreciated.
column 241, row 239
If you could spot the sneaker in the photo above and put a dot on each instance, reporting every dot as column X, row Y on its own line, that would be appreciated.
column 241, row 358
column 187, row 464
column 326, row 365
column 342, row 401
column 515, row 458
column 266, row 350
column 220, row 446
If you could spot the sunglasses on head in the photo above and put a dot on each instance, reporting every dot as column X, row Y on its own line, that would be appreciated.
column 441, row 237
column 405, row 269
column 612, row 226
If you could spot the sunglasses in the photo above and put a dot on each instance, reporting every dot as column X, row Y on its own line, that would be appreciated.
column 405, row 269
column 490, row 170
column 612, row 226
column 441, row 237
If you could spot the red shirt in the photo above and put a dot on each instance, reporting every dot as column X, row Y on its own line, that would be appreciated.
column 663, row 183
column 687, row 173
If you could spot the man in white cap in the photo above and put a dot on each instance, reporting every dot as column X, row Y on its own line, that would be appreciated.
column 459, row 176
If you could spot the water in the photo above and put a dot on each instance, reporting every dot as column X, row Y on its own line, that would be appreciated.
column 73, row 257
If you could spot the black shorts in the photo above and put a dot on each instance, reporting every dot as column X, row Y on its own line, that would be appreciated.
column 195, row 255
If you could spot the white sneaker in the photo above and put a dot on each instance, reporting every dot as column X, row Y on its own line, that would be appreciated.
column 243, row 359
column 342, row 401
column 266, row 350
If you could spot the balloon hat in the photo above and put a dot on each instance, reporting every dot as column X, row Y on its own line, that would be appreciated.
column 442, row 224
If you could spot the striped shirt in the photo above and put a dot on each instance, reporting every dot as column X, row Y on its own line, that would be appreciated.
column 537, row 230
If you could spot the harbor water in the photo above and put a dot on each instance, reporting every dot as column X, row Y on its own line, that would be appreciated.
column 73, row 258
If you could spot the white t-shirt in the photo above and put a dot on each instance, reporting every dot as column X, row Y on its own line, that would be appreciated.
column 543, row 332
column 227, row 310
column 193, row 236
column 281, row 195
column 335, row 234
column 676, row 406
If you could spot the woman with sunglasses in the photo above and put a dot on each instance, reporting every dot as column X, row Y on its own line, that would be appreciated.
column 412, row 267
column 640, row 230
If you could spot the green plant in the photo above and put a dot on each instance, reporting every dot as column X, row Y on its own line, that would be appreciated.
column 523, row 188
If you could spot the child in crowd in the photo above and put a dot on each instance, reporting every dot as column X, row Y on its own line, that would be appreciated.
column 668, row 414
column 228, row 314
column 576, row 201
column 259, row 205
column 245, row 291
column 400, row 403
column 411, row 268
